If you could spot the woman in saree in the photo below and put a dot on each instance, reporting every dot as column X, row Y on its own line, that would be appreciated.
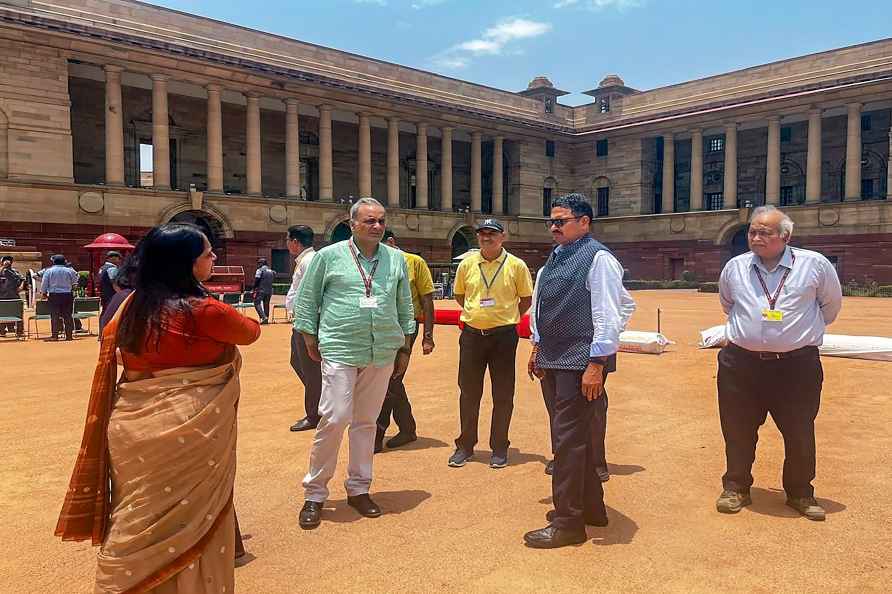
column 154, row 476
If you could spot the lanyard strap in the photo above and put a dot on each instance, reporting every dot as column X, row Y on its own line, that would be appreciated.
column 489, row 283
column 366, row 280
column 780, row 286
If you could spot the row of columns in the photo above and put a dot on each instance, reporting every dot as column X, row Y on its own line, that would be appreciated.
column 114, row 149
column 772, row 173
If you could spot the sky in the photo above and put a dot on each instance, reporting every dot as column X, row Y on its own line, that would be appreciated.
column 575, row 43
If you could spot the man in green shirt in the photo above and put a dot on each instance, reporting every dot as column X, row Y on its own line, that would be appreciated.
column 354, row 310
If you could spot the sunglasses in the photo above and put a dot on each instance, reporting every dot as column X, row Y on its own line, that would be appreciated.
column 560, row 222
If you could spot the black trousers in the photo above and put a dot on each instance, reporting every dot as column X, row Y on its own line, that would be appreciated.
column 61, row 309
column 575, row 486
column 497, row 352
column 396, row 402
column 750, row 388
column 261, row 304
column 599, row 429
column 310, row 374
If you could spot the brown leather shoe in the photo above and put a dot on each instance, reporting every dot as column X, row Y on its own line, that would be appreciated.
column 364, row 505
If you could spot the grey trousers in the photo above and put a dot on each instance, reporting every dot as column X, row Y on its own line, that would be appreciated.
column 351, row 398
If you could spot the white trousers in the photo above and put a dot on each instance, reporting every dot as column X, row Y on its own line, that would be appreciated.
column 351, row 397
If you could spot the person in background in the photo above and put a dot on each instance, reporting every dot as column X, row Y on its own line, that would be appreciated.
column 263, row 289
column 107, row 274
column 779, row 300
column 163, row 438
column 300, row 245
column 10, row 284
column 397, row 400
column 57, row 284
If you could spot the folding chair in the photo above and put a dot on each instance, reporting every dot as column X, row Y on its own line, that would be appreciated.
column 278, row 307
column 246, row 302
column 86, row 308
column 41, row 312
column 231, row 298
column 12, row 310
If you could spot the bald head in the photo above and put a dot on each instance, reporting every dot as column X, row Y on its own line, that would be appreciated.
column 770, row 231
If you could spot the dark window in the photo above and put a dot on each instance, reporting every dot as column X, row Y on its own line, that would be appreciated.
column 601, row 148
column 549, row 105
column 658, row 201
column 716, row 144
column 659, row 146
column 605, row 104
column 546, row 202
column 281, row 262
column 549, row 148
column 787, row 196
column 835, row 261
column 865, row 122
column 866, row 189
column 603, row 202
column 786, row 134
column 715, row 201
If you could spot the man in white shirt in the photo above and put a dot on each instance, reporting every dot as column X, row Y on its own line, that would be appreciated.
column 300, row 245
column 778, row 300
column 579, row 308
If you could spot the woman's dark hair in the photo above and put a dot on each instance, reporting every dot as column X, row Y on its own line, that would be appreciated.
column 163, row 283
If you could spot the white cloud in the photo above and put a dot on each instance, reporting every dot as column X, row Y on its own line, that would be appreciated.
column 599, row 4
column 492, row 42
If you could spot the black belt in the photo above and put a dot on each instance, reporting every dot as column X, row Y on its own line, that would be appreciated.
column 769, row 356
column 490, row 331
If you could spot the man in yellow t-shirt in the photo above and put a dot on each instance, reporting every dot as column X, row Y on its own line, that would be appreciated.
column 397, row 400
column 494, row 289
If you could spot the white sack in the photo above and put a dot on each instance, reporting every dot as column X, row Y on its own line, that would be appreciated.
column 874, row 348
column 712, row 338
column 653, row 343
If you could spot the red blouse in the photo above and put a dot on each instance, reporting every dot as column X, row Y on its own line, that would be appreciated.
column 215, row 326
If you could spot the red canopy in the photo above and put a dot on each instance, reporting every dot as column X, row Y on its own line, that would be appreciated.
column 109, row 241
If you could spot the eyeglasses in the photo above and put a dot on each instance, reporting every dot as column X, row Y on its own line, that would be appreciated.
column 560, row 222
column 761, row 233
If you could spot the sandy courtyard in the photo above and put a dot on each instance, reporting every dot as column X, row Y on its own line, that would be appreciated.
column 460, row 530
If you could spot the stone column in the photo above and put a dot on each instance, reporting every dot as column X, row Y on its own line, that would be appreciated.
column 730, row 189
column 853, row 153
column 326, row 186
column 215, row 139
column 114, row 127
column 292, row 148
column 668, row 202
column 160, row 133
column 889, row 169
column 393, row 162
column 421, row 166
column 446, row 170
column 772, row 167
column 813, row 161
column 254, row 184
column 696, row 170
column 476, row 173
column 497, row 172
column 365, row 156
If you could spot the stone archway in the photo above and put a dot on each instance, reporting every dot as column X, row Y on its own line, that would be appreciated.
column 873, row 177
column 738, row 244
column 340, row 232
column 463, row 239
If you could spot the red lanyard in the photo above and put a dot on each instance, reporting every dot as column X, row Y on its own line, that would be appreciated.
column 366, row 280
column 773, row 300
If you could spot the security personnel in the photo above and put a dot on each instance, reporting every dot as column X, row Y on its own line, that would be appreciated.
column 778, row 300
column 494, row 289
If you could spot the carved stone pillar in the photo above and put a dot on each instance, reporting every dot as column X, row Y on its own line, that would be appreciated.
column 215, row 139
column 254, row 183
column 114, row 127
column 326, row 186
column 446, row 170
column 160, row 133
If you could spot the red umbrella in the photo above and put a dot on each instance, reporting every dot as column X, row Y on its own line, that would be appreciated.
column 100, row 245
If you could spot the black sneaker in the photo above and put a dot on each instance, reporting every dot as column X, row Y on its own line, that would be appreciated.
column 499, row 459
column 731, row 502
column 808, row 507
column 460, row 458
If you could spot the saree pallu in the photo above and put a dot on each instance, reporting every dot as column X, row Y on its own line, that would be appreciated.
column 172, row 444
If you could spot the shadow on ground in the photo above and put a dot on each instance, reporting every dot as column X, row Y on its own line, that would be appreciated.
column 515, row 457
column 772, row 502
column 391, row 503
column 624, row 469
column 422, row 443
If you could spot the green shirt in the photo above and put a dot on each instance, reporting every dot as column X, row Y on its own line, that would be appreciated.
column 328, row 305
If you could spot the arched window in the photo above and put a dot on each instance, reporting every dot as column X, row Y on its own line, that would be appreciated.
column 549, row 193
column 601, row 196
column 873, row 177
column 792, row 184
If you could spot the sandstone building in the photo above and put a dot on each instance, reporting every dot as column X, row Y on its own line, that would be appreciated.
column 117, row 115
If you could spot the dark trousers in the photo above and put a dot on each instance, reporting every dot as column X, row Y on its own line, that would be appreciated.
column 310, row 374
column 396, row 402
column 750, row 388
column 261, row 304
column 477, row 353
column 575, row 487
column 61, row 308
column 599, row 429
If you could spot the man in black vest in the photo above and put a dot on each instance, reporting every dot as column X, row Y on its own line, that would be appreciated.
column 107, row 275
column 263, row 289
column 579, row 309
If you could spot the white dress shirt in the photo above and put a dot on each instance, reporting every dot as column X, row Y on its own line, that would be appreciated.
column 810, row 300
column 611, row 304
column 301, row 263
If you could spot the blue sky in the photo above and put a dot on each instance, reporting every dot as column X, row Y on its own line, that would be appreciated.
column 504, row 43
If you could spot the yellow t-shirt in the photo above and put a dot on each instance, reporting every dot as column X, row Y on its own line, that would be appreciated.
column 420, row 281
column 507, row 287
